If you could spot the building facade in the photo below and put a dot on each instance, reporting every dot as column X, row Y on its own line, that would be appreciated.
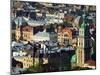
column 26, row 60
column 80, row 46
column 24, row 32
column 65, row 36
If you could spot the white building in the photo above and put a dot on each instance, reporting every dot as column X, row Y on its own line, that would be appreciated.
column 19, row 53
column 42, row 36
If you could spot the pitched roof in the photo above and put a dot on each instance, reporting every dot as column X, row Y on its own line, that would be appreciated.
column 42, row 34
column 20, row 20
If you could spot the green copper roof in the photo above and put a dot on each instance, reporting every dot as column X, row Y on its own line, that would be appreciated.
column 83, row 25
column 74, row 58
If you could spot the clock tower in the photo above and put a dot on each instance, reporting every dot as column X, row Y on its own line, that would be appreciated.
column 83, row 47
column 80, row 46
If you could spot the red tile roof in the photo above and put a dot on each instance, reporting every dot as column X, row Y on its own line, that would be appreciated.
column 91, row 63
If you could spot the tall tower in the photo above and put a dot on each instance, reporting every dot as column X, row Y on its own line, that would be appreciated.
column 17, row 33
column 80, row 53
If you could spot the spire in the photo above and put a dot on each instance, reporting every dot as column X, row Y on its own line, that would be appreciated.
column 83, row 25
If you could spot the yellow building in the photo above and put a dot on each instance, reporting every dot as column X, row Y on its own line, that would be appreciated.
column 37, row 61
column 24, row 32
column 17, row 34
column 26, row 60
column 45, row 60
column 65, row 34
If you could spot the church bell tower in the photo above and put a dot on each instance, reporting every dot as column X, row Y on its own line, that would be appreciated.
column 80, row 47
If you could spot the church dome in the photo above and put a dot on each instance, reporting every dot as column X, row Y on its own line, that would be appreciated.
column 74, row 58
